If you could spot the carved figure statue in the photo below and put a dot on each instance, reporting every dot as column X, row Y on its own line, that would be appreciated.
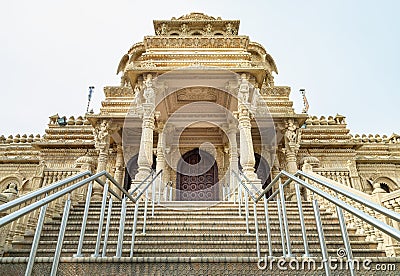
column 244, row 88
column 230, row 30
column 101, row 136
column 184, row 29
column 163, row 29
column 208, row 28
column 257, row 98
column 148, row 93
column 290, row 134
column 136, row 98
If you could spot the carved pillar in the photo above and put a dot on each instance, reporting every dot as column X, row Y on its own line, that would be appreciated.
column 102, row 144
column 145, row 158
column 247, row 159
column 233, row 150
column 119, row 165
column 292, row 145
column 160, row 160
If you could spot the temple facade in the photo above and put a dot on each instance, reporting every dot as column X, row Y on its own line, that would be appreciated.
column 198, row 101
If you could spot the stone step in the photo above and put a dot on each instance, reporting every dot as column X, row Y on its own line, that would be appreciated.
column 163, row 212
column 250, row 244
column 188, row 227
column 216, row 265
column 196, row 237
column 218, row 218
column 225, row 223
column 194, row 252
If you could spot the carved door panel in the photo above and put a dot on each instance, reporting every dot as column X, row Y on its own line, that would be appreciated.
column 197, row 177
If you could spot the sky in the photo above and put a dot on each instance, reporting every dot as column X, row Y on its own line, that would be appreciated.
column 344, row 53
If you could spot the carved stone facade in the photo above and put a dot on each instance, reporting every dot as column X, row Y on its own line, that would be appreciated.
column 365, row 162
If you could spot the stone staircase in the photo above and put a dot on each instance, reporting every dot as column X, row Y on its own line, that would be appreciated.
column 183, row 234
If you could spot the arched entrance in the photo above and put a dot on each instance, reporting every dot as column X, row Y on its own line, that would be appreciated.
column 197, row 177
column 132, row 169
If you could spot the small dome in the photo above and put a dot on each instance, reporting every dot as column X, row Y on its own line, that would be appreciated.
column 313, row 161
column 85, row 160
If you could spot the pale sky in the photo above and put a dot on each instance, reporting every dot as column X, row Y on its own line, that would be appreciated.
column 344, row 53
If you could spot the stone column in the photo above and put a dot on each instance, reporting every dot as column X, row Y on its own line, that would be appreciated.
column 119, row 165
column 292, row 145
column 233, row 150
column 145, row 158
column 160, row 161
column 247, row 159
column 102, row 144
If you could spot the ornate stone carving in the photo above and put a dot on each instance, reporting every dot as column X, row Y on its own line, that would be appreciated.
column 197, row 94
column 208, row 29
column 163, row 30
column 102, row 137
column 148, row 92
column 244, row 89
column 230, row 30
column 184, row 29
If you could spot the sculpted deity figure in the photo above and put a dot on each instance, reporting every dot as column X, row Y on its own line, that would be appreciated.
column 136, row 98
column 163, row 30
column 244, row 88
column 257, row 98
column 230, row 30
column 184, row 29
column 290, row 134
column 208, row 28
column 148, row 93
column 101, row 136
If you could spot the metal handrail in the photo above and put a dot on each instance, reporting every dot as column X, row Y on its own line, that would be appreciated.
column 141, row 183
column 135, row 216
column 257, row 191
column 42, row 203
column 374, row 206
column 42, row 191
column 241, row 182
column 389, row 230
column 27, row 209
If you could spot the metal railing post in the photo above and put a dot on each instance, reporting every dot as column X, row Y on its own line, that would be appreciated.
column 233, row 182
column 35, row 242
column 285, row 221
column 303, row 226
column 278, row 205
column 346, row 241
column 159, row 187
column 101, row 220
column 145, row 211
column 135, row 217
column 84, row 220
column 118, row 253
column 268, row 227
column 61, row 235
column 240, row 199
column 153, row 196
column 104, row 251
column 325, row 260
column 246, row 202
column 256, row 230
